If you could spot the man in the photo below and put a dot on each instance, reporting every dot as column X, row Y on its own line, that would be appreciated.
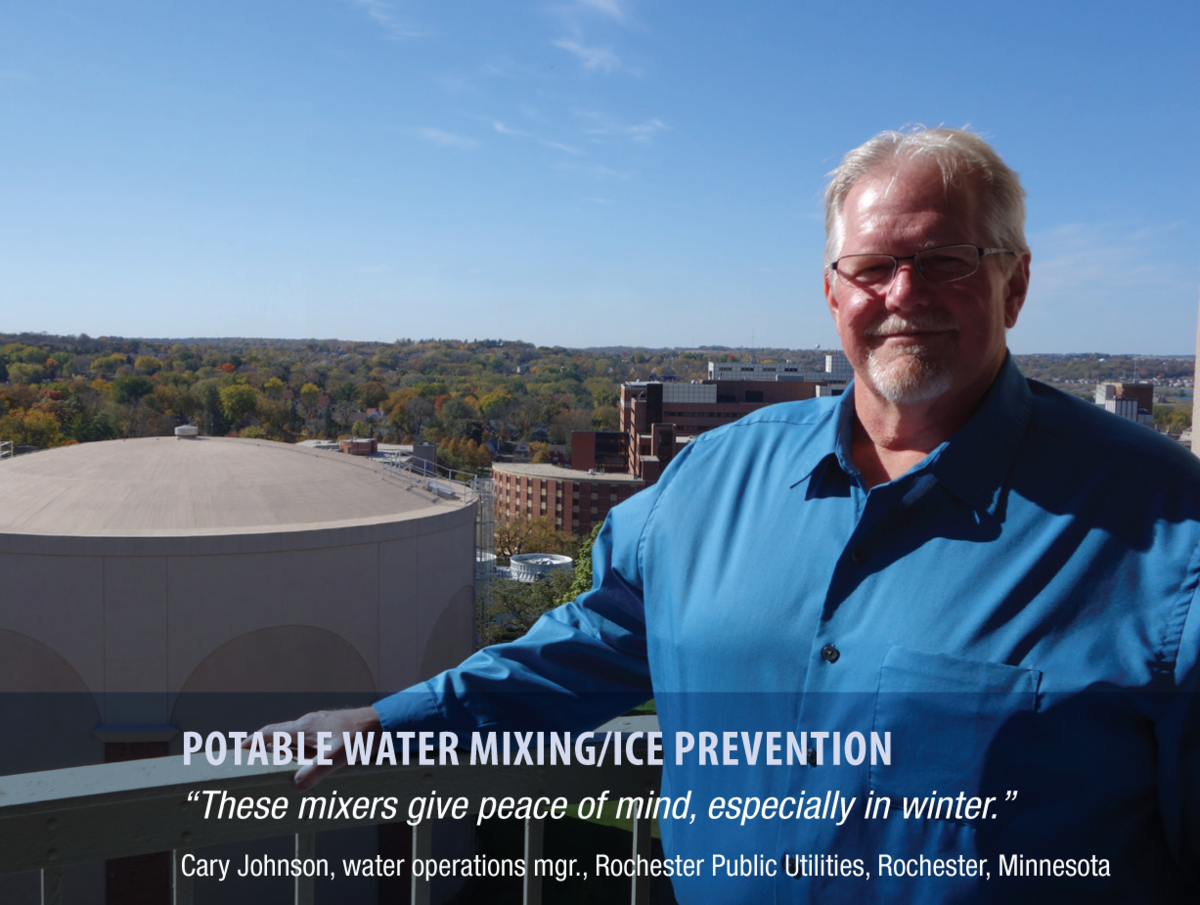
column 999, row 576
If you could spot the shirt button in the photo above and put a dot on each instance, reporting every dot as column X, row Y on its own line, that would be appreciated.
column 812, row 757
column 830, row 653
column 858, row 555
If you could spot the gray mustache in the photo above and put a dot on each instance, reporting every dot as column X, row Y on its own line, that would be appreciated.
column 893, row 324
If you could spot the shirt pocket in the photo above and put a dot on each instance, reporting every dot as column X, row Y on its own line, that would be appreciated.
column 957, row 725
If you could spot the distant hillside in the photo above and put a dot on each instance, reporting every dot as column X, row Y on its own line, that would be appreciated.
column 59, row 389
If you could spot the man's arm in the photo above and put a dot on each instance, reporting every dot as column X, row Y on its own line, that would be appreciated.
column 580, row 665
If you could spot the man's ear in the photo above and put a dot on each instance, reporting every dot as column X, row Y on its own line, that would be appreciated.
column 830, row 299
column 1017, row 288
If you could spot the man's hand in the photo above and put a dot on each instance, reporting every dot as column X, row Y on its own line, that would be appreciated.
column 363, row 719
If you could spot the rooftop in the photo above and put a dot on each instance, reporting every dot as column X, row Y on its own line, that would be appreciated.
column 156, row 486
column 554, row 472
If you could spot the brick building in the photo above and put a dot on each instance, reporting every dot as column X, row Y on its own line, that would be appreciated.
column 657, row 421
column 575, row 499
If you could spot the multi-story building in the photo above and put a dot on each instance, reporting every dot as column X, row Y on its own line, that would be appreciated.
column 657, row 421
column 837, row 370
column 577, row 500
column 741, row 370
column 1132, row 401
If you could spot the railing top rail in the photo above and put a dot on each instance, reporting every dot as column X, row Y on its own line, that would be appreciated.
column 82, row 814
column 166, row 775
column 404, row 459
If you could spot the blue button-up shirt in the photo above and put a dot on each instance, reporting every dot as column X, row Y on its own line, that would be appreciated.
column 1016, row 611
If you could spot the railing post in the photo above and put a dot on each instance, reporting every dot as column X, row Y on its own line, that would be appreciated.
column 640, row 893
column 181, row 884
column 535, row 831
column 306, row 847
column 422, row 849
column 52, row 886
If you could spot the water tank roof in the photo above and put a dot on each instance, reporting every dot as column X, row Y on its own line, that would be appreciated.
column 163, row 486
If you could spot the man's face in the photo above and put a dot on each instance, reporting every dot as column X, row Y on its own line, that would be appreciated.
column 916, row 341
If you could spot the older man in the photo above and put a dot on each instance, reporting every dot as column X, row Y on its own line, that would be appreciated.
column 1000, row 576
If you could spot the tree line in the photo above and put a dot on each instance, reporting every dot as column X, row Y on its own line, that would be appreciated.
column 466, row 397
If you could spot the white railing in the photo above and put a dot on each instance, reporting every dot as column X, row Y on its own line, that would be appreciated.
column 425, row 477
column 6, row 449
column 51, row 820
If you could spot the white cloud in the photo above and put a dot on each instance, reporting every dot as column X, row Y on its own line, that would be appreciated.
column 594, row 170
column 612, row 8
column 561, row 147
column 445, row 139
column 505, row 129
column 384, row 15
column 601, row 124
column 645, row 131
column 598, row 200
column 592, row 58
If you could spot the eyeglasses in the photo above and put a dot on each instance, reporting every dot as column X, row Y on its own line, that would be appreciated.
column 936, row 265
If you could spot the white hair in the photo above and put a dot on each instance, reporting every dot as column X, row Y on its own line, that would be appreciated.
column 961, row 156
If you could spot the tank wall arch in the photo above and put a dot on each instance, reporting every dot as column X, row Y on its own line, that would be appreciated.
column 27, row 665
column 46, row 708
column 285, row 658
column 269, row 676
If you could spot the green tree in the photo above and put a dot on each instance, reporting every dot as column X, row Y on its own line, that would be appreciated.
column 30, row 427
column 310, row 395
column 606, row 418
column 131, row 388
column 531, row 535
column 581, row 581
column 23, row 372
column 238, row 401
column 371, row 394
column 510, row 608
column 106, row 365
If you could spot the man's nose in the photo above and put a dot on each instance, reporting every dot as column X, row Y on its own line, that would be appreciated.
column 908, row 288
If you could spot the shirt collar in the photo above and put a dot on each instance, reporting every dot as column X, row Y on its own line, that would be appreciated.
column 825, row 440
column 973, row 464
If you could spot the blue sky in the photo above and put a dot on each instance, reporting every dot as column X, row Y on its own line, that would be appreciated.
column 582, row 172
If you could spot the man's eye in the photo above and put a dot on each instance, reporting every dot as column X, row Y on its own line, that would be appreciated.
column 876, row 271
column 948, row 263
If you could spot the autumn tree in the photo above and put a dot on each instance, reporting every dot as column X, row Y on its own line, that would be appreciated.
column 30, row 427
column 130, row 389
column 238, row 402
column 273, row 388
column 531, row 535
column 23, row 372
column 310, row 395
column 371, row 395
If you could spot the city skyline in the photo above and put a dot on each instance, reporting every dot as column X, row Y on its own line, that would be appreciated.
column 584, row 173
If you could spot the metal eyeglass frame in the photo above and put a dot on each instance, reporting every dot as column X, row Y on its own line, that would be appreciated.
column 896, row 259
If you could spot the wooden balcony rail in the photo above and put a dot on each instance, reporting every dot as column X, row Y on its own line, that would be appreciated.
column 84, row 814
